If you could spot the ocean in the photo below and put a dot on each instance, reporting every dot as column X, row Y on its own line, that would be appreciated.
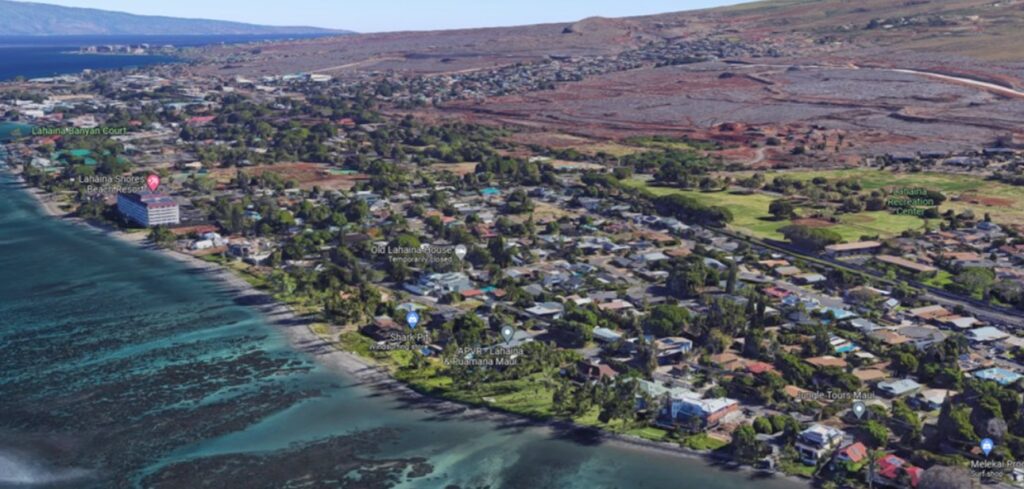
column 42, row 56
column 123, row 368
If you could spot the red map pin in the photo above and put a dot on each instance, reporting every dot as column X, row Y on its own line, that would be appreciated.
column 153, row 182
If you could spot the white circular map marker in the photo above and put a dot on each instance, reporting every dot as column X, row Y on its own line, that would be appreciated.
column 508, row 332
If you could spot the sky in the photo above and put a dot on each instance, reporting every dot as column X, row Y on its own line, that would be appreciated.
column 394, row 15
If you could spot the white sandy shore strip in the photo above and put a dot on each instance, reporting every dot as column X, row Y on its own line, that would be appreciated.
column 301, row 336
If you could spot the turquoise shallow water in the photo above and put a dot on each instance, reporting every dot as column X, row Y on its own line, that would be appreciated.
column 121, row 368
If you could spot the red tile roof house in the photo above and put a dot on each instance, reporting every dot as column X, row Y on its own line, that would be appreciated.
column 485, row 231
column 593, row 372
column 758, row 368
column 382, row 328
column 200, row 120
column 776, row 292
column 854, row 453
column 472, row 293
column 893, row 471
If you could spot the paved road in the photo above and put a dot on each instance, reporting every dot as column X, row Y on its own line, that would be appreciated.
column 981, row 310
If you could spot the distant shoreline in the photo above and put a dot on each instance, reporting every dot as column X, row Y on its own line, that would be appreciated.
column 22, row 51
column 301, row 337
column 87, row 53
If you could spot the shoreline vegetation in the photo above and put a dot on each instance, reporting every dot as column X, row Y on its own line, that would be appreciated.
column 301, row 333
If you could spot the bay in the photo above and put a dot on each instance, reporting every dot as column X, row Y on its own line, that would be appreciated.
column 43, row 56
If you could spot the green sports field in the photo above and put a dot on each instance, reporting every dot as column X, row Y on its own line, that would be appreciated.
column 1005, row 203
column 750, row 215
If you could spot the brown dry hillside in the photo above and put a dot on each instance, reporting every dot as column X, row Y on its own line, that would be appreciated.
column 985, row 29
column 980, row 29
column 845, row 76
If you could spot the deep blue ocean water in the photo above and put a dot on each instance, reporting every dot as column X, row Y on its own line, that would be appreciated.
column 41, row 56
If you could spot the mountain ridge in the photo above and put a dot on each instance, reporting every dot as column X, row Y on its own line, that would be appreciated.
column 40, row 19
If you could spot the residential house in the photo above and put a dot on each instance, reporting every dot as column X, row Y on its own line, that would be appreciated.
column 931, row 399
column 905, row 264
column 382, row 328
column 594, row 371
column 898, row 388
column 671, row 349
column 854, row 453
column 987, row 334
column 438, row 284
column 547, row 309
column 923, row 337
column 852, row 249
column 817, row 441
column 691, row 407
column 893, row 471
column 826, row 361
column 998, row 375
column 605, row 335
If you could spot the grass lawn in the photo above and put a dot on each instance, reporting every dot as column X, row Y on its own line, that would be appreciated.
column 615, row 149
column 256, row 279
column 702, row 441
column 468, row 305
column 1009, row 207
column 531, row 395
column 356, row 343
column 941, row 279
column 882, row 223
column 214, row 258
column 649, row 433
column 750, row 215
column 659, row 143
column 795, row 467
column 427, row 380
column 591, row 418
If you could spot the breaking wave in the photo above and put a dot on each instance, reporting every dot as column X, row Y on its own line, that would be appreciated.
column 16, row 469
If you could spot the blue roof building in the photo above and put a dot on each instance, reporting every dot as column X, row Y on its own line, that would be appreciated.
column 998, row 375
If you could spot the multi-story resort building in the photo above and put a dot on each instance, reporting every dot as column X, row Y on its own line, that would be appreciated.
column 149, row 209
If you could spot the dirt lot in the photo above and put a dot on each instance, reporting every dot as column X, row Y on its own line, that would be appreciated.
column 306, row 175
column 874, row 110
column 986, row 201
column 460, row 169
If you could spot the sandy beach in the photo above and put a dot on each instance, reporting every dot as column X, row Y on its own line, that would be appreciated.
column 300, row 335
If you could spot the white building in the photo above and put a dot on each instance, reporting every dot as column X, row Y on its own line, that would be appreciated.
column 684, row 406
column 149, row 209
column 817, row 441
column 438, row 284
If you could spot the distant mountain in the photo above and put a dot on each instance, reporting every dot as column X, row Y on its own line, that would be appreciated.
column 38, row 19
